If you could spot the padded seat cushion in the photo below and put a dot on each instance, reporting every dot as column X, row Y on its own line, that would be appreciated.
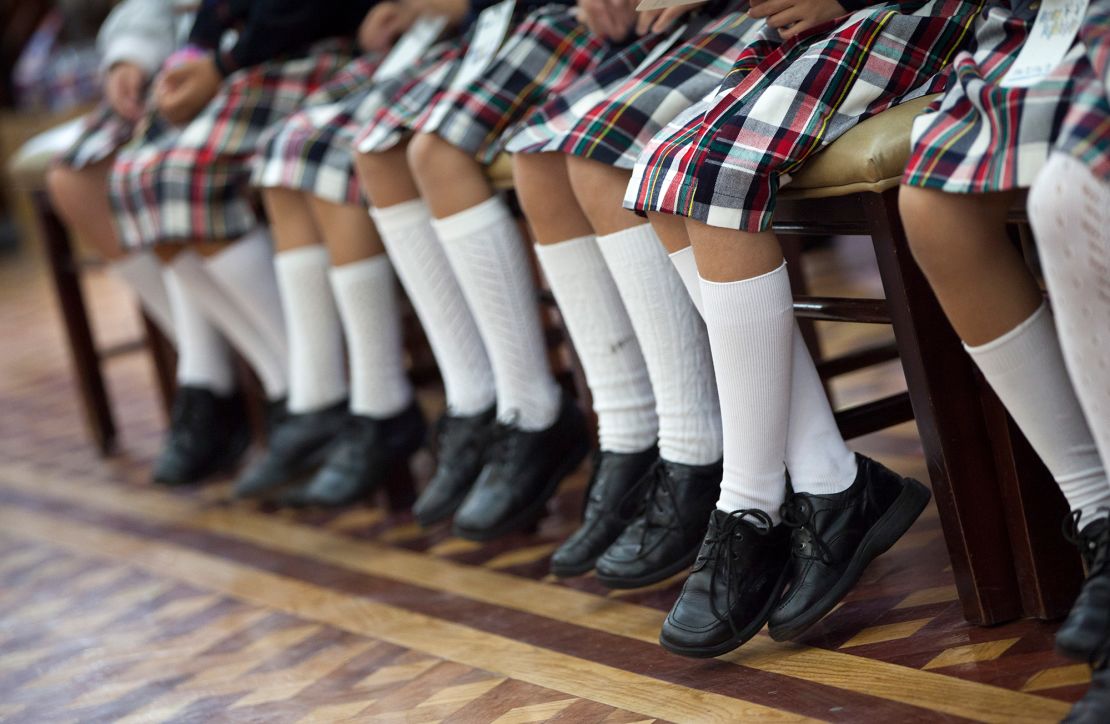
column 30, row 163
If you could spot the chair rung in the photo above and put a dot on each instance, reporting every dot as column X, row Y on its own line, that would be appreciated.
column 874, row 416
column 857, row 360
column 122, row 348
column 840, row 309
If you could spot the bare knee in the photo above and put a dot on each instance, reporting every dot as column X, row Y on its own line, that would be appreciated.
column 430, row 157
column 948, row 232
column 450, row 179
column 545, row 195
column 599, row 189
column 385, row 177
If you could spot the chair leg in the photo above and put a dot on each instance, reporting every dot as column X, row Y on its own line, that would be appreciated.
column 86, row 361
column 945, row 396
column 792, row 252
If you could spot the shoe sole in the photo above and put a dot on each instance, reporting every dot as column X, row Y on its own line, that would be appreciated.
column 573, row 571
column 885, row 533
column 742, row 636
column 306, row 468
column 534, row 510
column 624, row 584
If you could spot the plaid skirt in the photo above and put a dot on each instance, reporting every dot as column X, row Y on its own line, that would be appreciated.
column 544, row 54
column 313, row 151
column 173, row 185
column 103, row 134
column 611, row 114
column 723, row 161
column 982, row 137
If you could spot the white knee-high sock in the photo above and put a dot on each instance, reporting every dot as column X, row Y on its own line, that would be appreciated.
column 598, row 323
column 1069, row 208
column 817, row 458
column 245, row 270
column 367, row 297
column 143, row 274
column 226, row 315
column 203, row 357
column 488, row 254
column 751, row 331
column 674, row 344
column 1025, row 367
column 422, row 266
column 317, row 369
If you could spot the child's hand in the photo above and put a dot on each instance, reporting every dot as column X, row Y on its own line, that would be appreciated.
column 657, row 21
column 791, row 17
column 123, row 89
column 383, row 25
column 609, row 19
column 183, row 92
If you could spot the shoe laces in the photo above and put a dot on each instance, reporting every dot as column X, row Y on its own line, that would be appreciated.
column 1094, row 548
column 721, row 547
column 632, row 500
column 651, row 509
column 798, row 514
column 504, row 440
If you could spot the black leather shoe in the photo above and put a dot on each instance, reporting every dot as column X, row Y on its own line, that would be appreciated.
column 463, row 443
column 208, row 434
column 664, row 538
column 522, row 474
column 613, row 499
column 736, row 581
column 836, row 536
column 298, row 445
column 1094, row 707
column 365, row 455
column 1085, row 633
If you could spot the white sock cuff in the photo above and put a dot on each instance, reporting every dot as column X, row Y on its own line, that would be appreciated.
column 571, row 249
column 246, row 247
column 1029, row 340
column 401, row 215
column 687, row 267
column 765, row 294
column 466, row 223
column 314, row 255
column 358, row 271
column 138, row 262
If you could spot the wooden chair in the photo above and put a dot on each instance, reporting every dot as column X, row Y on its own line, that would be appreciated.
column 27, row 170
column 999, row 508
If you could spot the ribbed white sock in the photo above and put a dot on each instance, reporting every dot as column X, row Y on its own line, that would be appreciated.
column 598, row 323
column 422, row 266
column 245, row 271
column 226, row 315
column 674, row 344
column 1025, row 367
column 751, row 330
column 1069, row 208
column 203, row 357
column 317, row 369
column 367, row 297
column 142, row 273
column 488, row 254
column 817, row 458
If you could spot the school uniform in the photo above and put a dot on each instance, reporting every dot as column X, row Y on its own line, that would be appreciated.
column 722, row 161
column 178, row 184
column 982, row 136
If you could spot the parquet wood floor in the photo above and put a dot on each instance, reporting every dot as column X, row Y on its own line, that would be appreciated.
column 122, row 601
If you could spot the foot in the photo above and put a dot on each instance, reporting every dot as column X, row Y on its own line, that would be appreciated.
column 613, row 498
column 208, row 434
column 461, row 453
column 836, row 536
column 523, row 472
column 1094, row 707
column 298, row 445
column 367, row 452
column 737, row 579
column 1085, row 633
column 665, row 537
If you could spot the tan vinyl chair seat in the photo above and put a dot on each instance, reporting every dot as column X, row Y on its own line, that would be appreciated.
column 870, row 157
column 28, row 166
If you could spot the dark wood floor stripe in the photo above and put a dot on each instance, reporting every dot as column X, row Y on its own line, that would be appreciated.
column 836, row 669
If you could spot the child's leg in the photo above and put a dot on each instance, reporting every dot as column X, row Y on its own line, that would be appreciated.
column 422, row 266
column 80, row 196
column 990, row 296
column 605, row 341
column 487, row 253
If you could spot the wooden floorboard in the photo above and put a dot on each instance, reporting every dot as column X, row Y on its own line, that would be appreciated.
column 123, row 601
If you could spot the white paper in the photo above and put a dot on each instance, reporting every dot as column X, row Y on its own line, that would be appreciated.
column 412, row 45
column 1054, row 30
column 660, row 4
